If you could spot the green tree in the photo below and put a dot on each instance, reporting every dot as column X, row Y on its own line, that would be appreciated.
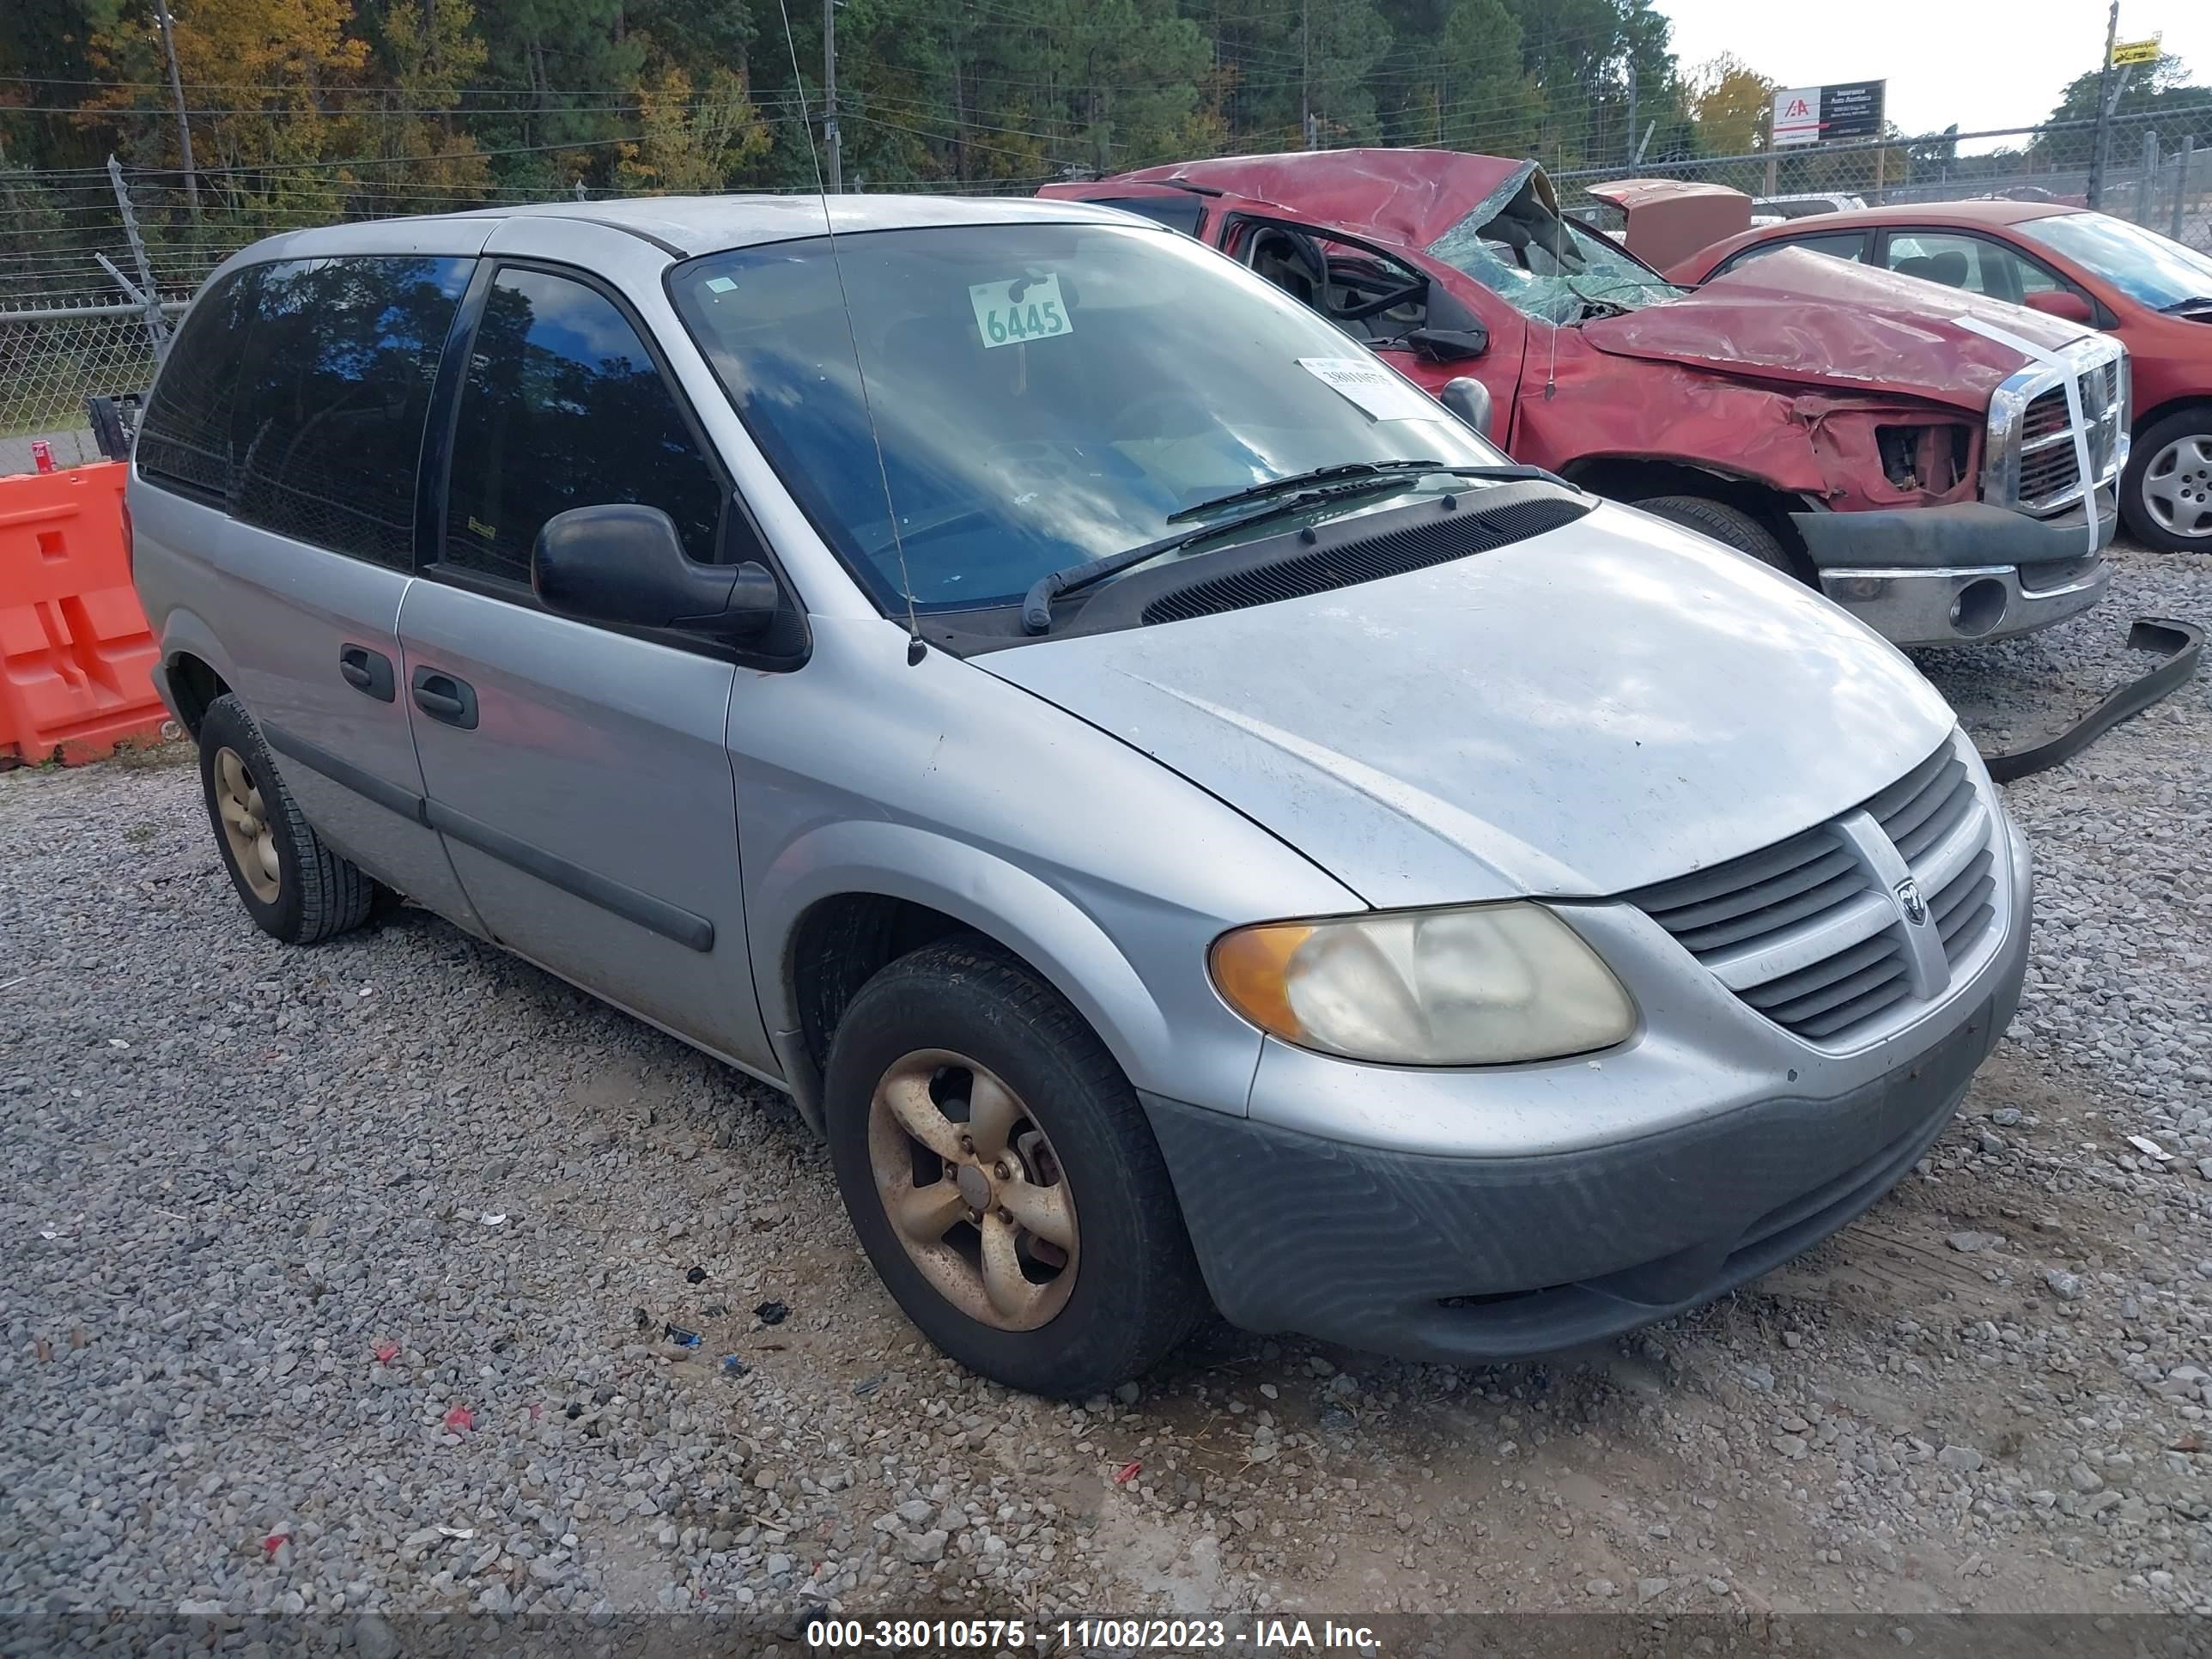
column 691, row 145
column 1731, row 105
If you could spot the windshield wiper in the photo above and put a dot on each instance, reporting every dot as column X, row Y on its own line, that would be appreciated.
column 1353, row 478
column 1036, row 604
column 1358, row 470
column 2189, row 303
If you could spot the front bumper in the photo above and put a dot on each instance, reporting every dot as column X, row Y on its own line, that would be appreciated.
column 1478, row 1260
column 1960, row 574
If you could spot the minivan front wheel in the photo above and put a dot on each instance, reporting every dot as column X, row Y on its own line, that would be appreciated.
column 294, row 886
column 1002, row 1177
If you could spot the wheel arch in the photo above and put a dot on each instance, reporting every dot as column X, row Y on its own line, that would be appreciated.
column 1639, row 477
column 198, row 669
column 1634, row 478
column 2147, row 418
column 846, row 901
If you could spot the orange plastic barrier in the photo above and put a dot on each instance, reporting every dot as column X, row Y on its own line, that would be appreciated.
column 75, row 653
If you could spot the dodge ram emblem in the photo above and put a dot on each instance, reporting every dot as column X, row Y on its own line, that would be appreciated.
column 1910, row 902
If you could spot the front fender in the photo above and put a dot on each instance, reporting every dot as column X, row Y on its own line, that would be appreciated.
column 1209, row 1059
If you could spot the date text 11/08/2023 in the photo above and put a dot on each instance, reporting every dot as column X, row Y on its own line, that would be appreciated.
column 989, row 1635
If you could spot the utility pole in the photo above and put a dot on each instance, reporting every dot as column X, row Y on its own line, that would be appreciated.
column 1632, row 111
column 829, row 138
column 1305, row 71
column 2096, row 191
column 177, row 91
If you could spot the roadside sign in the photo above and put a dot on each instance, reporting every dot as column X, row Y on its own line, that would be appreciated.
column 1810, row 115
column 2136, row 52
column 1797, row 116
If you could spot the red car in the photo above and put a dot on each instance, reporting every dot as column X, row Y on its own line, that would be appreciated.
column 2153, row 293
column 1880, row 440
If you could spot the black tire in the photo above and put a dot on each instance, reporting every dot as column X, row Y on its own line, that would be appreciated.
column 1729, row 525
column 2195, row 476
column 317, row 894
column 1137, row 1291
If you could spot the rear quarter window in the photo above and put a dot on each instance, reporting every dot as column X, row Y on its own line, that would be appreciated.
column 184, row 437
column 1837, row 245
column 1182, row 213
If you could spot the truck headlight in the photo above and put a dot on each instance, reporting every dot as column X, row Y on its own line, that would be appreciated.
column 1473, row 985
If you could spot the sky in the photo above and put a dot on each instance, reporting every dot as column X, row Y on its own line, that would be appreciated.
column 1983, row 64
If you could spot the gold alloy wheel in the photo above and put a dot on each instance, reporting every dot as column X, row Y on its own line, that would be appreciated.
column 245, row 824
column 973, row 1189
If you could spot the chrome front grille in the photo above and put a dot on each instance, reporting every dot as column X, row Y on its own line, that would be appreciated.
column 1818, row 933
column 2030, row 461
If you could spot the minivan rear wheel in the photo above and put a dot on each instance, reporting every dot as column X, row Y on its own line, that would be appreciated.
column 1002, row 1176
column 292, row 885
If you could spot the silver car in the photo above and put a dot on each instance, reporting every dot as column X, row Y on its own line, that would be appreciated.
column 1186, row 818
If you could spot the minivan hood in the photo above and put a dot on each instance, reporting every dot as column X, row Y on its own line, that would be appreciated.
column 1820, row 321
column 1578, row 714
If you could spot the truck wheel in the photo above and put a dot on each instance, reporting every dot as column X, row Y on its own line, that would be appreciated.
column 2165, row 496
column 1727, row 525
column 1001, row 1176
column 294, row 887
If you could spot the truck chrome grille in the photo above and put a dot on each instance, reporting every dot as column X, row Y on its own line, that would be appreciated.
column 2030, row 462
column 1812, row 932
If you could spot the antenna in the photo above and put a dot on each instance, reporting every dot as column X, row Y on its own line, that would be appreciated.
column 1559, row 261
column 916, row 649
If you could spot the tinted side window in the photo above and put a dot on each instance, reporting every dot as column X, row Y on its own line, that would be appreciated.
column 1177, row 213
column 332, row 398
column 565, row 407
column 184, row 439
column 1838, row 245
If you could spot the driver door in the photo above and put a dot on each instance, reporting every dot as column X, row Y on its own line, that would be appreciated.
column 1424, row 319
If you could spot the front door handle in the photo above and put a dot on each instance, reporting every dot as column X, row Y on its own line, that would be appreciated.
column 442, row 697
column 368, row 672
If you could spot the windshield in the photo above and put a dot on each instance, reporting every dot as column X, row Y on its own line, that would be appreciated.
column 1045, row 394
column 1547, row 266
column 2141, row 263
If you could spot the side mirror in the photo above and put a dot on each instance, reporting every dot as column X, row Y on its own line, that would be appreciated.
column 625, row 564
column 1469, row 399
column 2062, row 302
column 1447, row 345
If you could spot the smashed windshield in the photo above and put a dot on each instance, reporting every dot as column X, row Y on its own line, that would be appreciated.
column 1545, row 266
column 2152, row 269
column 1045, row 394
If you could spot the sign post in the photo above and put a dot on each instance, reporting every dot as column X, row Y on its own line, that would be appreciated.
column 2107, row 97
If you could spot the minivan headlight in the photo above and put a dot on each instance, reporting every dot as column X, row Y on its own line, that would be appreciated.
column 1473, row 985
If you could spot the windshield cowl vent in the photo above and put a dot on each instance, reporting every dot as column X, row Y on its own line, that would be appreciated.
column 1474, row 529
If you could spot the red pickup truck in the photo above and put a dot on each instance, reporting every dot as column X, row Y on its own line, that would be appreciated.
column 2152, row 294
column 1860, row 429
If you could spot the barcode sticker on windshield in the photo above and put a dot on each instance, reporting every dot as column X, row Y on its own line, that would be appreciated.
column 1026, row 309
column 1384, row 393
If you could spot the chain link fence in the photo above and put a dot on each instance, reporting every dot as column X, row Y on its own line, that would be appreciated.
column 94, row 261
column 2156, row 171
column 96, row 264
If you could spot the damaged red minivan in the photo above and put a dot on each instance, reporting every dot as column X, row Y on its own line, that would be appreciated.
column 1918, row 454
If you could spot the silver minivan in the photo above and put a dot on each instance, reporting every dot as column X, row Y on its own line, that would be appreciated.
column 1189, row 821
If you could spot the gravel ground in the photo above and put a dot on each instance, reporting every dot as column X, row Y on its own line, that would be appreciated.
column 342, row 1280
